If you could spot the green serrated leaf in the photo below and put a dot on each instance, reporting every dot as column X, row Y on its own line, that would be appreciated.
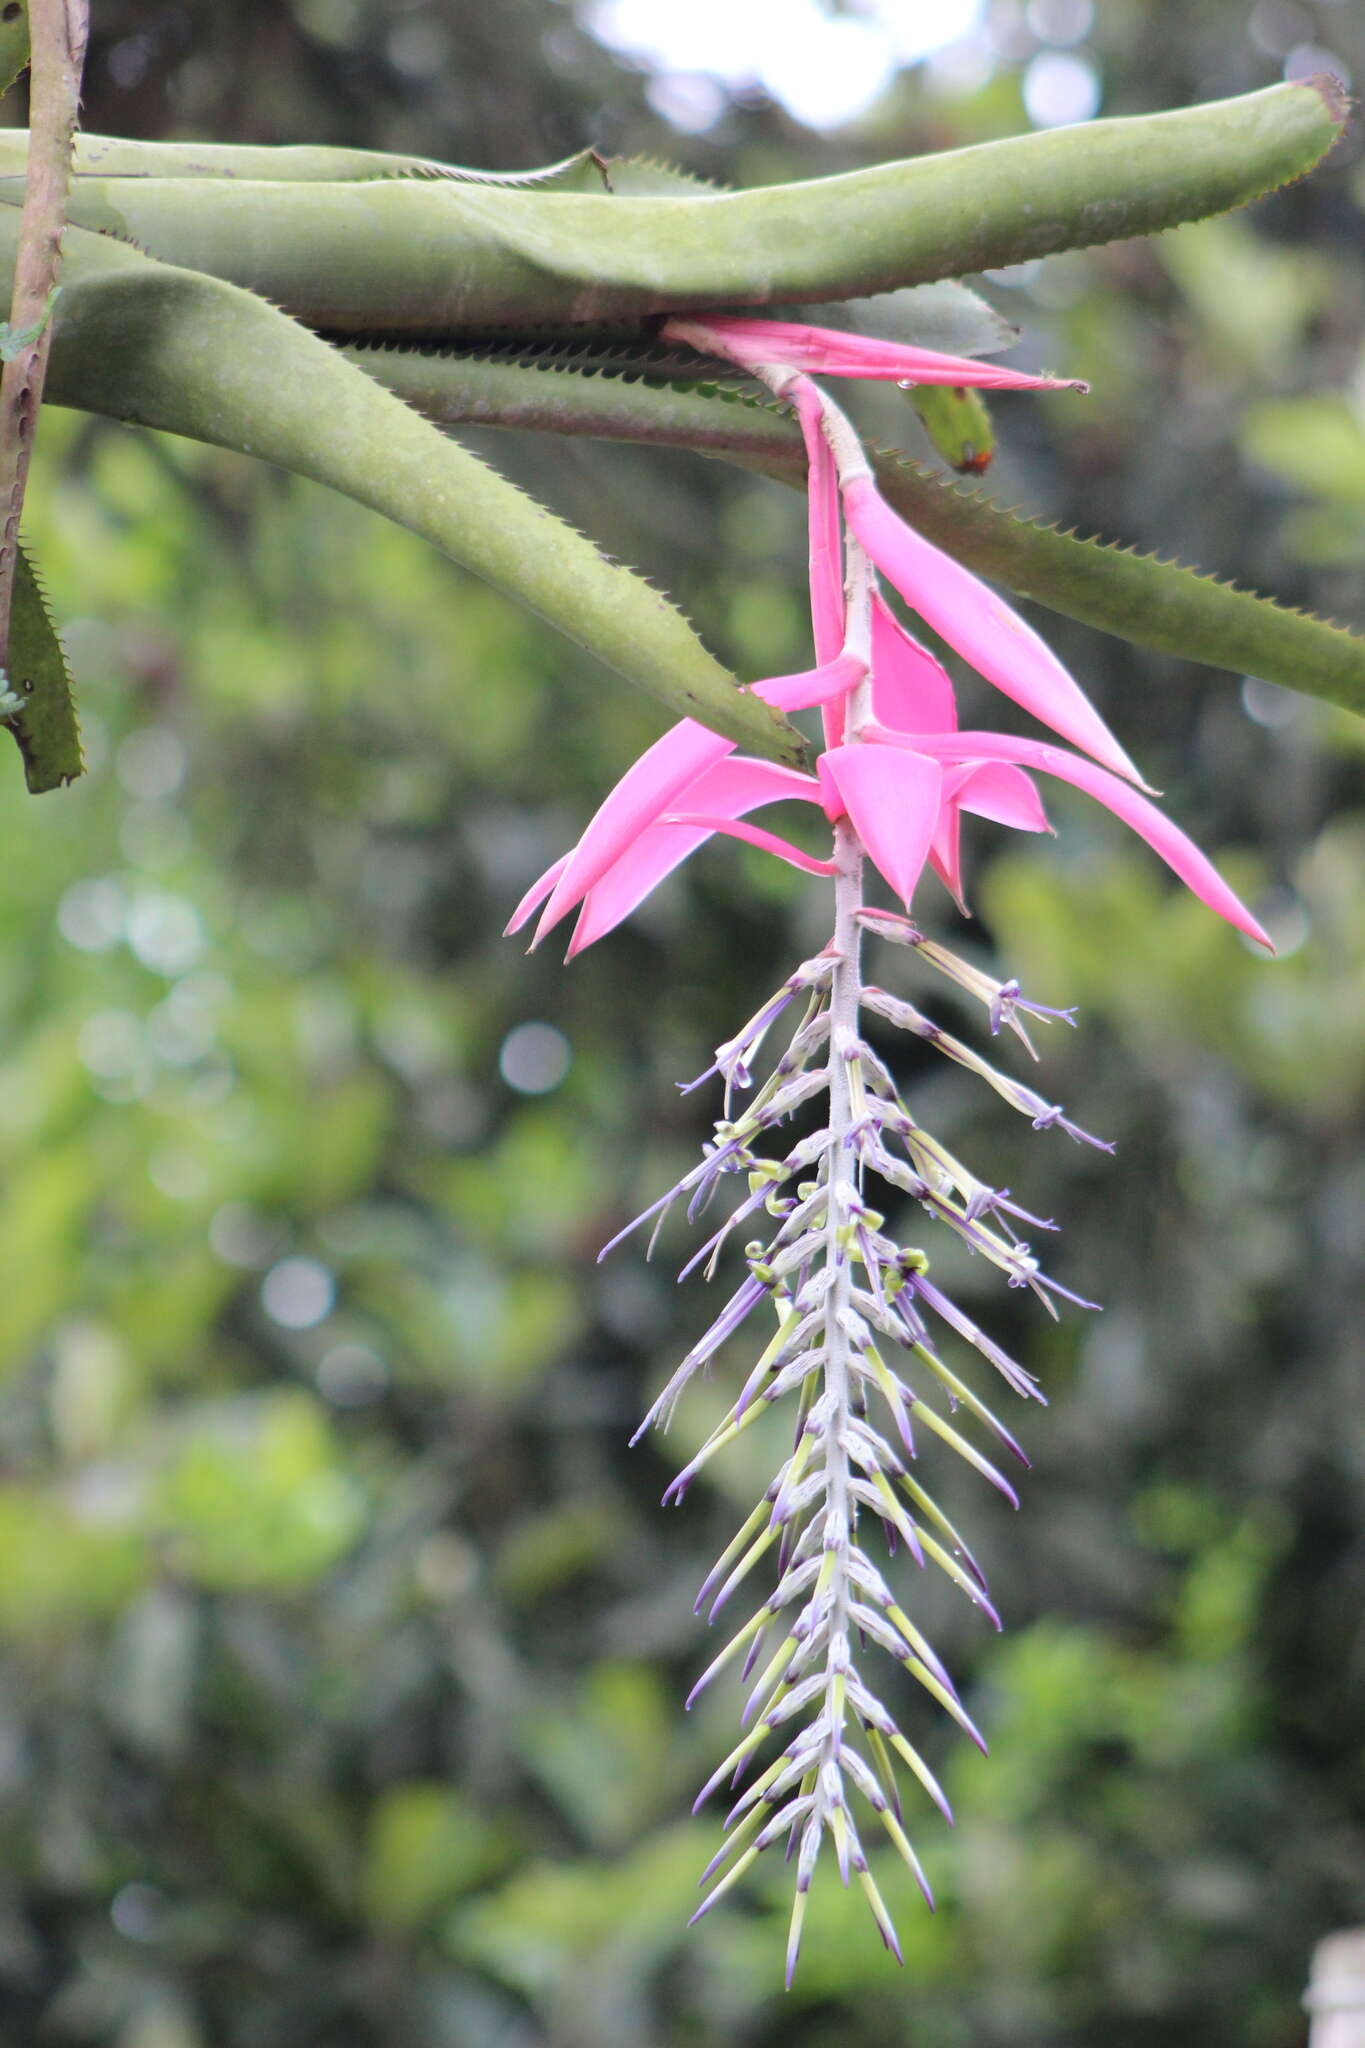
column 584, row 171
column 608, row 393
column 43, row 719
column 116, row 156
column 439, row 255
column 13, row 44
column 143, row 342
column 13, row 341
column 945, row 315
column 1152, row 603
column 640, row 177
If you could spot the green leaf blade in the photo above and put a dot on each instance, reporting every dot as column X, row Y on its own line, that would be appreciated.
column 441, row 255
column 152, row 345
column 1152, row 603
column 45, row 725
column 118, row 156
column 1141, row 598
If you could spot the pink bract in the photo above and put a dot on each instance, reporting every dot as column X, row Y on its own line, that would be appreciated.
column 727, row 789
column 1165, row 838
column 824, row 524
column 910, row 689
column 650, row 784
column 893, row 811
column 980, row 625
column 829, row 352
column 987, row 789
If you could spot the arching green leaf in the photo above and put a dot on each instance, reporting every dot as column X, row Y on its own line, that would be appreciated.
column 117, row 156
column 1155, row 604
column 439, row 256
column 142, row 342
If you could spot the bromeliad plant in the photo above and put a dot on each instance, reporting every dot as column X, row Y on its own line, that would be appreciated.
column 334, row 312
column 856, row 1349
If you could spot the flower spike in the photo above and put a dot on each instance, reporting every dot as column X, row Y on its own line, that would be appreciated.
column 851, row 1320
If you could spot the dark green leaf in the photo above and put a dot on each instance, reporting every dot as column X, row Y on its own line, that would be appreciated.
column 45, row 723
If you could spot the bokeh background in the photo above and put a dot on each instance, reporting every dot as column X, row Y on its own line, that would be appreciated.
column 343, row 1640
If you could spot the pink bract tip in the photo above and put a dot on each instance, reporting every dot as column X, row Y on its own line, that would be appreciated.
column 1164, row 837
column 727, row 789
column 892, row 801
column 981, row 626
column 829, row 352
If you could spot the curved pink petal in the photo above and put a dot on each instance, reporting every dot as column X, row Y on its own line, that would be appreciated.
column 910, row 689
column 755, row 835
column 980, row 625
column 1005, row 795
column 727, row 789
column 737, row 785
column 645, row 863
column 989, row 789
column 664, row 770
column 832, row 680
column 827, row 352
column 1178, row 851
column 646, row 788
column 892, row 801
column 535, row 896
column 945, row 853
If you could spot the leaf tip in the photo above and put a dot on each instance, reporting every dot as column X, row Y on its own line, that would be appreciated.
column 1331, row 90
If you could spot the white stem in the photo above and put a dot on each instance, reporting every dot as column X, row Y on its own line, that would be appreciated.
column 840, row 1162
column 850, row 457
column 841, row 1190
column 860, row 580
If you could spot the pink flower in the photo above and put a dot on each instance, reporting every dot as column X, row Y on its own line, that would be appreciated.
column 645, row 790
column 985, row 630
column 895, row 778
column 907, row 774
column 902, row 792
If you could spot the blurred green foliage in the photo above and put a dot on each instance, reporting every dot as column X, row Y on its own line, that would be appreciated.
column 344, row 1642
